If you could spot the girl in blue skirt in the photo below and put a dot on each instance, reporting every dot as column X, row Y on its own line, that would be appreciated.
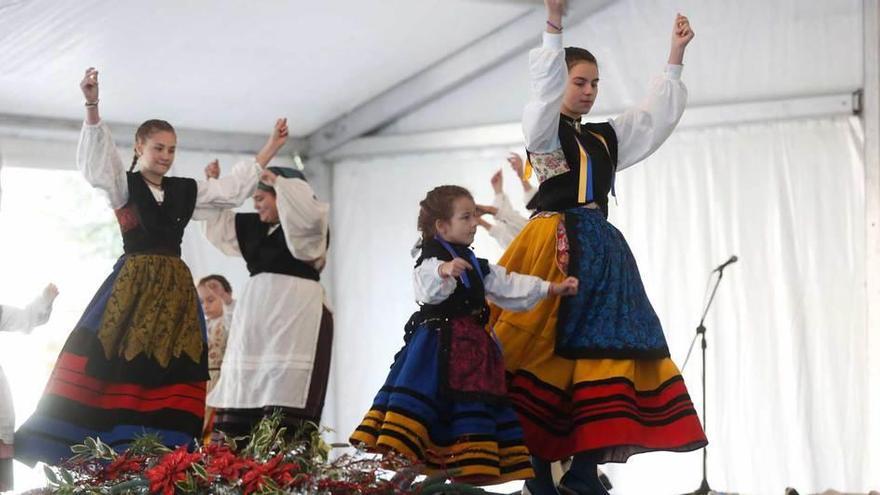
column 443, row 404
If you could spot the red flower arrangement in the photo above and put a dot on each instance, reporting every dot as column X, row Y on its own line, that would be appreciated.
column 222, row 463
column 171, row 469
column 123, row 465
column 270, row 462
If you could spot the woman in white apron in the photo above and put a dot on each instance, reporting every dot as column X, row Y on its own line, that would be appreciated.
column 278, row 349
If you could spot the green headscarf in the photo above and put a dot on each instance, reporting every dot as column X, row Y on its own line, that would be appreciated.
column 286, row 172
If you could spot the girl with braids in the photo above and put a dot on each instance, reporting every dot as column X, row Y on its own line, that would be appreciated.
column 136, row 362
column 590, row 375
column 443, row 404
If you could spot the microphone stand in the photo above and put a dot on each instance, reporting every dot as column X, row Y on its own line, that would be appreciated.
column 701, row 333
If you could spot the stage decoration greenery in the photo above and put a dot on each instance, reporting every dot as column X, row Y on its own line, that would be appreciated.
column 269, row 461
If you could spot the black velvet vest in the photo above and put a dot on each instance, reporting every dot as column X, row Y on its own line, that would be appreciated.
column 150, row 227
column 268, row 253
column 560, row 193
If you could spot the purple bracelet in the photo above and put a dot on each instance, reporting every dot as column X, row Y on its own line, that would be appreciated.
column 554, row 26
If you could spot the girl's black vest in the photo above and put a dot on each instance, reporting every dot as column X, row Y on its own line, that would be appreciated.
column 599, row 140
column 464, row 301
column 268, row 253
column 150, row 227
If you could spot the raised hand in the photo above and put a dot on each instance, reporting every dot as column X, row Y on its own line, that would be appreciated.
column 89, row 85
column 268, row 177
column 212, row 170
column 555, row 10
column 556, row 7
column 682, row 34
column 50, row 292
column 516, row 163
column 567, row 287
column 274, row 143
column 279, row 133
column 497, row 182
column 454, row 268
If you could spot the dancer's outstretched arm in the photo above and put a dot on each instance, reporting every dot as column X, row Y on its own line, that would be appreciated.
column 33, row 315
column 518, row 292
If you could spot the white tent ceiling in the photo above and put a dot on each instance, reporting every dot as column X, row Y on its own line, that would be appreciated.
column 233, row 65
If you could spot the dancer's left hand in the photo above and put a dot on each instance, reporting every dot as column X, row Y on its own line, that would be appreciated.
column 682, row 34
column 516, row 163
column 89, row 85
column 497, row 182
column 279, row 133
column 486, row 209
column 567, row 287
column 274, row 143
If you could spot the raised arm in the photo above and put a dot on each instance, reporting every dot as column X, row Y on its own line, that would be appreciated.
column 234, row 188
column 547, row 75
column 642, row 129
column 33, row 315
column 96, row 156
column 304, row 219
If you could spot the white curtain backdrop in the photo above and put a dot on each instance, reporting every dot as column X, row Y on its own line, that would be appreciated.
column 787, row 348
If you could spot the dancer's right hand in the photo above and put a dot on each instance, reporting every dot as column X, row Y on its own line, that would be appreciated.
column 454, row 268
column 212, row 170
column 89, row 85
